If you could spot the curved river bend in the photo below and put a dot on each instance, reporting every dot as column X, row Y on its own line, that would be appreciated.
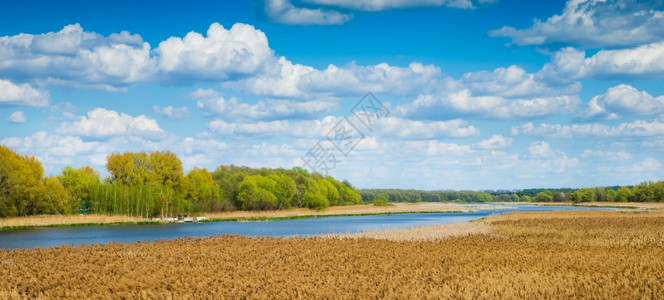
column 49, row 237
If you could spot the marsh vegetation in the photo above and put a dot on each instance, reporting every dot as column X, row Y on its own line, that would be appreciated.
column 564, row 254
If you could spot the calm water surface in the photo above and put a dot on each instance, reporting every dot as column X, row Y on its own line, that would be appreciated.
column 49, row 237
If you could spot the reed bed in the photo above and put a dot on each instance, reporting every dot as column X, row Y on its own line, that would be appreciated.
column 63, row 220
column 345, row 210
column 423, row 233
column 553, row 255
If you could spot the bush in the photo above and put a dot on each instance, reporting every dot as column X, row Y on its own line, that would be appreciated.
column 381, row 202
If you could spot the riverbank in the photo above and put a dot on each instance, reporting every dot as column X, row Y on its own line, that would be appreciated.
column 622, row 205
column 353, row 210
column 297, row 213
column 559, row 254
column 68, row 221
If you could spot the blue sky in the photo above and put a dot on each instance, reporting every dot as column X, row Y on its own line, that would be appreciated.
column 474, row 94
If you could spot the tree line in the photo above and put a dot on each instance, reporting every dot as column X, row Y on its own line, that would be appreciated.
column 154, row 184
column 648, row 191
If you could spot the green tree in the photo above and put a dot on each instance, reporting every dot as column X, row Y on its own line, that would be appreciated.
column 57, row 197
column 78, row 183
column 624, row 194
column 545, row 196
column 22, row 190
column 201, row 190
column 254, row 193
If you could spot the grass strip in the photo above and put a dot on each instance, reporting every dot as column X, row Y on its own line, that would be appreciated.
column 20, row 227
column 261, row 219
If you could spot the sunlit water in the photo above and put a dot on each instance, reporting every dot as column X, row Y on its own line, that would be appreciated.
column 48, row 237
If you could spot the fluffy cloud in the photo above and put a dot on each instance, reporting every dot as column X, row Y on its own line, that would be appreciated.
column 642, row 62
column 408, row 129
column 541, row 158
column 639, row 128
column 286, row 79
column 623, row 100
column 53, row 149
column 214, row 104
column 608, row 155
column 381, row 5
column 262, row 129
column 647, row 165
column 102, row 123
column 171, row 112
column 515, row 82
column 496, row 141
column 222, row 54
column 22, row 95
column 504, row 93
column 591, row 23
column 329, row 12
column 78, row 58
column 283, row 11
column 443, row 106
column 388, row 127
column 72, row 56
column 16, row 117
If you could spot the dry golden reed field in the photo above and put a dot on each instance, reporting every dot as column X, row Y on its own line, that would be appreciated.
column 571, row 254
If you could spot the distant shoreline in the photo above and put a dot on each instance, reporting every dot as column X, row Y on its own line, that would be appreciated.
column 32, row 222
column 50, row 221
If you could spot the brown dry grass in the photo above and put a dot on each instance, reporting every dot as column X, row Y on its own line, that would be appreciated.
column 71, row 219
column 423, row 233
column 645, row 205
column 568, row 254
column 342, row 210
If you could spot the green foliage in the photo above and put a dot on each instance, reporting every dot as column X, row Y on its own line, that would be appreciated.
column 545, row 196
column 260, row 189
column 57, row 198
column 413, row 196
column 202, row 192
column 381, row 200
column 156, row 168
column 77, row 182
column 22, row 189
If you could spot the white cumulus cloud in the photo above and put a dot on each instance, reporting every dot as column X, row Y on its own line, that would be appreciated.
column 643, row 62
column 496, row 141
column 464, row 103
column 608, row 155
column 22, row 95
column 75, row 57
column 283, row 11
column 222, row 54
column 623, row 100
column 286, row 79
column 214, row 104
column 381, row 5
column 399, row 128
column 102, row 123
column 16, row 117
column 638, row 128
column 172, row 112
column 592, row 23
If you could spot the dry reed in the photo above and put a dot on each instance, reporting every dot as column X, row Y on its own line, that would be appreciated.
column 423, row 233
column 591, row 254
column 70, row 219
column 343, row 210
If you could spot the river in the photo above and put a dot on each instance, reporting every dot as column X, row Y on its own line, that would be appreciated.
column 50, row 237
